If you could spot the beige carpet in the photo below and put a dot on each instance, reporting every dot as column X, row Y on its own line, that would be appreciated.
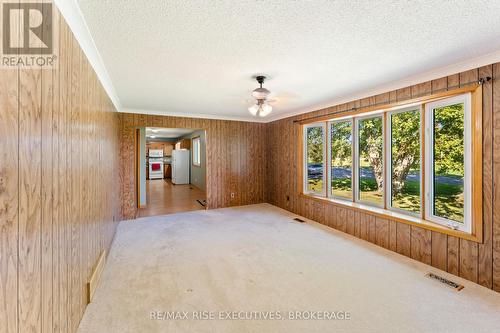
column 258, row 262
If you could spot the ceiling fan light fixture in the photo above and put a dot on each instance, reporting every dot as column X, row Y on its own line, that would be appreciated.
column 261, row 108
column 254, row 109
column 260, row 93
column 265, row 110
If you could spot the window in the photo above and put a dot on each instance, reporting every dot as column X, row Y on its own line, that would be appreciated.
column 314, row 147
column 196, row 151
column 448, row 150
column 370, row 160
column 404, row 175
column 421, row 161
column 341, row 159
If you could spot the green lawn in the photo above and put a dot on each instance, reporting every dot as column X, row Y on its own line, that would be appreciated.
column 449, row 198
column 409, row 198
column 315, row 185
column 450, row 202
column 342, row 188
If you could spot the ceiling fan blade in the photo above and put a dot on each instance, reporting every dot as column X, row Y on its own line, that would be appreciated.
column 286, row 95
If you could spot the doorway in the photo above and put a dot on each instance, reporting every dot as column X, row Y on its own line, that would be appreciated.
column 170, row 170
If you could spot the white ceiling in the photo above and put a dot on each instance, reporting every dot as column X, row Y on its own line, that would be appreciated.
column 168, row 133
column 197, row 57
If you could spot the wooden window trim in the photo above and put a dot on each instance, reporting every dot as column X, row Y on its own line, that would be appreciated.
column 395, row 105
column 477, row 205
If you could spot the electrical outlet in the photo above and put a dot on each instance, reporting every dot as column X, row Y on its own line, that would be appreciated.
column 232, row 195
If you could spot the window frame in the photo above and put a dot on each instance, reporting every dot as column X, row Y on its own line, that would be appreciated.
column 475, row 232
column 388, row 158
column 325, row 159
column 466, row 99
column 356, row 191
column 329, row 157
column 196, row 159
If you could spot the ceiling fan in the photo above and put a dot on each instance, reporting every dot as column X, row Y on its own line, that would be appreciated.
column 261, row 108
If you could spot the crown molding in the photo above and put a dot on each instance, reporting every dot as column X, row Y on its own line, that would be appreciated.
column 70, row 10
column 195, row 115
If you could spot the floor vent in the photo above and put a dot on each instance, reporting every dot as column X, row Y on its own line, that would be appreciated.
column 447, row 282
column 299, row 220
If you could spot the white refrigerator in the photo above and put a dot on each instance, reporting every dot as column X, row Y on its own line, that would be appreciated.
column 180, row 166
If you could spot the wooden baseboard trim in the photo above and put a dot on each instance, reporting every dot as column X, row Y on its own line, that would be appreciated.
column 96, row 276
column 199, row 188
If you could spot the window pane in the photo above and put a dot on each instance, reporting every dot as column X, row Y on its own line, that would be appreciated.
column 448, row 165
column 196, row 151
column 371, row 160
column 405, row 160
column 341, row 154
column 315, row 161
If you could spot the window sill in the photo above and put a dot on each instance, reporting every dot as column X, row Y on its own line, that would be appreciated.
column 397, row 217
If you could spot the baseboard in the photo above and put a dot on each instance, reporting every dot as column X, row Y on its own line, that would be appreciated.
column 96, row 276
column 193, row 185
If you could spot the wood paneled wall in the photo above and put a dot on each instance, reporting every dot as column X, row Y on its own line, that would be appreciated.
column 65, row 151
column 59, row 162
column 235, row 159
column 479, row 263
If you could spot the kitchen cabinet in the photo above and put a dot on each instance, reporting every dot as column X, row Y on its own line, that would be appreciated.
column 167, row 169
column 167, row 151
column 167, row 147
column 183, row 144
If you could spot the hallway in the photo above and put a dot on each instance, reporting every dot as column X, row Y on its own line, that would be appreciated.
column 163, row 197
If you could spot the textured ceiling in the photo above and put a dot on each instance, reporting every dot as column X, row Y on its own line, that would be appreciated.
column 198, row 57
